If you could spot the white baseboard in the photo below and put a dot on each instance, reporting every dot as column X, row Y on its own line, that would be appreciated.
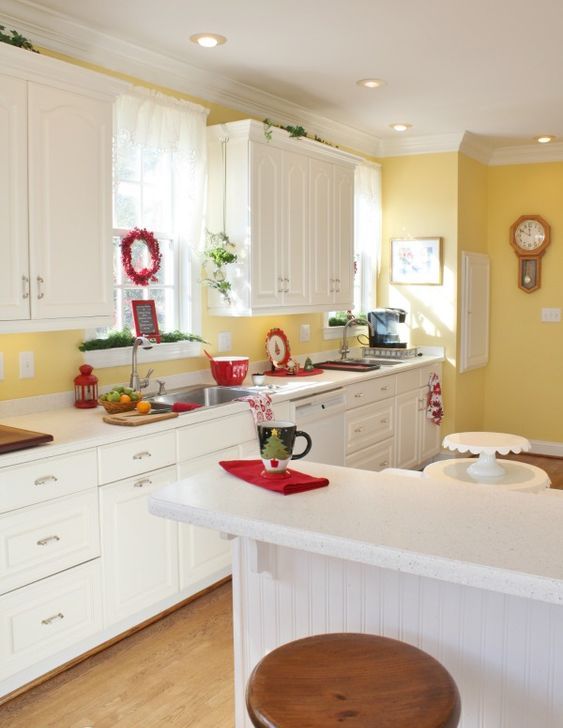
column 544, row 447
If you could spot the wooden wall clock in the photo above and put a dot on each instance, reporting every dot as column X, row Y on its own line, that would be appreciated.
column 530, row 236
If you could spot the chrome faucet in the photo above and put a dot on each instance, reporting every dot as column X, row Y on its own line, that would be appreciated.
column 352, row 321
column 136, row 382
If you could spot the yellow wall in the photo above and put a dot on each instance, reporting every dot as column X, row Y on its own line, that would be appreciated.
column 523, row 389
column 56, row 354
column 472, row 237
column 420, row 195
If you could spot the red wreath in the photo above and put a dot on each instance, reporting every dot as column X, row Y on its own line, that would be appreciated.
column 146, row 275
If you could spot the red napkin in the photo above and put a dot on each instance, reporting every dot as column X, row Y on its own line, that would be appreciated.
column 184, row 406
column 251, row 471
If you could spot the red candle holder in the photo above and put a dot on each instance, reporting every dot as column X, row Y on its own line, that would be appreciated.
column 85, row 388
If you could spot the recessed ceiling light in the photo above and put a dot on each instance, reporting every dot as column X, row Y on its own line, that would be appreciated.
column 208, row 40
column 400, row 127
column 371, row 82
column 545, row 139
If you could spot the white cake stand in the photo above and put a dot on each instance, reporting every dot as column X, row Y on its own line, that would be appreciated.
column 486, row 445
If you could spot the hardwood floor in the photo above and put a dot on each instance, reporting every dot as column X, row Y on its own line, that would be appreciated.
column 176, row 673
column 553, row 466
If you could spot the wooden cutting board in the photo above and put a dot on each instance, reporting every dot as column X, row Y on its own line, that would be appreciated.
column 132, row 419
column 13, row 438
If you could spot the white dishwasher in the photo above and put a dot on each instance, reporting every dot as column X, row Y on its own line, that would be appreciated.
column 322, row 416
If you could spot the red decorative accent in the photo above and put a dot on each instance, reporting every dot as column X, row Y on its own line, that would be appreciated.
column 277, row 347
column 146, row 320
column 85, row 388
column 434, row 406
column 287, row 483
column 300, row 373
column 274, row 463
column 146, row 275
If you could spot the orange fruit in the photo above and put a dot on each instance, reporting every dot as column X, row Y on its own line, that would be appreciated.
column 125, row 398
column 143, row 408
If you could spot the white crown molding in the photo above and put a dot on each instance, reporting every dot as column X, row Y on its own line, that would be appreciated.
column 476, row 147
column 528, row 154
column 62, row 34
column 430, row 144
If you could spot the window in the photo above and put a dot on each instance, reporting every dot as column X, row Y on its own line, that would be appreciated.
column 367, row 243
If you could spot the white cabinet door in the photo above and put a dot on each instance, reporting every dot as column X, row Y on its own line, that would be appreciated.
column 295, row 249
column 475, row 295
column 14, row 271
column 375, row 457
column 429, row 437
column 268, row 281
column 407, row 430
column 205, row 557
column 69, row 203
column 139, row 551
column 342, row 262
column 321, row 222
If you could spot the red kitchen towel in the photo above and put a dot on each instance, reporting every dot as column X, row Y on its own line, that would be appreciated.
column 260, row 406
column 184, row 406
column 251, row 471
column 434, row 405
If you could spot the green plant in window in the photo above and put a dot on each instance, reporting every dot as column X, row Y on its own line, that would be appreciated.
column 119, row 339
column 220, row 252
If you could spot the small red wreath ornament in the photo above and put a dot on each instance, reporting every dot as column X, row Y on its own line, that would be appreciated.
column 146, row 275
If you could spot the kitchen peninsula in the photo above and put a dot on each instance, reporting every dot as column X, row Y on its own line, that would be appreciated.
column 470, row 574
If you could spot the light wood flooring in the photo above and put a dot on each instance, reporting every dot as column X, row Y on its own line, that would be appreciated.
column 177, row 673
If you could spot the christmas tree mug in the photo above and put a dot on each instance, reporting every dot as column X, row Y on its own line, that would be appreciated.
column 277, row 440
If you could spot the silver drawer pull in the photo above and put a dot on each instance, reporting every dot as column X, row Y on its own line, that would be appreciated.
column 25, row 287
column 54, row 618
column 359, row 395
column 384, row 464
column 142, row 483
column 359, row 429
column 384, row 421
column 46, row 479
column 40, row 282
column 47, row 540
column 384, row 389
column 141, row 455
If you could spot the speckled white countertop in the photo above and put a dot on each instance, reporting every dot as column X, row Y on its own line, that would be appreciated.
column 505, row 542
column 75, row 429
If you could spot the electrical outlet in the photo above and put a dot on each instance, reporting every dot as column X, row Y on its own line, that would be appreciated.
column 305, row 332
column 27, row 365
column 1, row 366
column 224, row 341
column 551, row 315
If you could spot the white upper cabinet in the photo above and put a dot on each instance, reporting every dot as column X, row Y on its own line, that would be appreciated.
column 287, row 204
column 55, row 193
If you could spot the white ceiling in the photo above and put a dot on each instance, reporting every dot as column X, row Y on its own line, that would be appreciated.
column 490, row 67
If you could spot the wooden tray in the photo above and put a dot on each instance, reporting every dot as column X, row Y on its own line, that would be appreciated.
column 12, row 438
column 133, row 419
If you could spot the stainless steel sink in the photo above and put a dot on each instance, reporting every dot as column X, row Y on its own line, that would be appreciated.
column 204, row 396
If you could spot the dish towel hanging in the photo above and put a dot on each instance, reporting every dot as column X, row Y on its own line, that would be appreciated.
column 260, row 406
column 434, row 405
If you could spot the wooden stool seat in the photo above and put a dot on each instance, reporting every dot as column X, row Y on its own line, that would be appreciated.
column 352, row 680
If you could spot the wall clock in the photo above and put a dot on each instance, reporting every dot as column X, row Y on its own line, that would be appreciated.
column 530, row 236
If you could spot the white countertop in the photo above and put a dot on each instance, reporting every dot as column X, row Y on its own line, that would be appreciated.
column 502, row 541
column 75, row 429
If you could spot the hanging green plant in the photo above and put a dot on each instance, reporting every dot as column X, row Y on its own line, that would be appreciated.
column 14, row 38
column 220, row 252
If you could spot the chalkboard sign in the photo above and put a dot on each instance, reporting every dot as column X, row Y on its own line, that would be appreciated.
column 146, row 322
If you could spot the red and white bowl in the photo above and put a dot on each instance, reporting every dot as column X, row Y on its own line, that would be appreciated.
column 228, row 371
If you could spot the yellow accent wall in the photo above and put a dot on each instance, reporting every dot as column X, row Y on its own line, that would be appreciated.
column 56, row 354
column 523, row 386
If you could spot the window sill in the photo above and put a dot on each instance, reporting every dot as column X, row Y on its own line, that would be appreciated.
column 335, row 332
column 102, row 358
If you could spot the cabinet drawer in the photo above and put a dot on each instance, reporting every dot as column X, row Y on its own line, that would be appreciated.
column 41, row 540
column 375, row 457
column 407, row 381
column 128, row 458
column 369, row 424
column 372, row 390
column 207, row 437
column 48, row 616
column 41, row 480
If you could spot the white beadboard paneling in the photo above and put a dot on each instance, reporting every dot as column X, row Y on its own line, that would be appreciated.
column 505, row 652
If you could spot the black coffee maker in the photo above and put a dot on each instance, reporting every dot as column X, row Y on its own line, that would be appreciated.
column 383, row 327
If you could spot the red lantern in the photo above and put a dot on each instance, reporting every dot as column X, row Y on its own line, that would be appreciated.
column 85, row 388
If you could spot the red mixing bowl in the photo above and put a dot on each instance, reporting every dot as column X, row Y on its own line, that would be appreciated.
column 229, row 370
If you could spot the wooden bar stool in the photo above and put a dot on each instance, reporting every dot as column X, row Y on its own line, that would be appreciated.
column 355, row 680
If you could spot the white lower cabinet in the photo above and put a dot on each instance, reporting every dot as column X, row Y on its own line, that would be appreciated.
column 374, row 457
column 48, row 616
column 140, row 552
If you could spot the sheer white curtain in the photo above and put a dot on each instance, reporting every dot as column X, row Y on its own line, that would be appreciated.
column 367, row 227
column 155, row 121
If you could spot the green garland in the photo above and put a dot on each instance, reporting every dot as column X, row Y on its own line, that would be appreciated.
column 16, row 39
column 119, row 339
column 295, row 132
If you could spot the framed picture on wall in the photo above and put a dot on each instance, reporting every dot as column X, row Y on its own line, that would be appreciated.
column 416, row 261
column 146, row 321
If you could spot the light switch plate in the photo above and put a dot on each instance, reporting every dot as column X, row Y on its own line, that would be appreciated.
column 224, row 341
column 305, row 332
column 27, row 365
column 551, row 315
